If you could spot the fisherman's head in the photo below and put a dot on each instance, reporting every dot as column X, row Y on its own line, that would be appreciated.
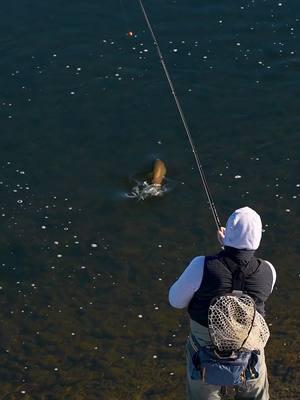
column 243, row 229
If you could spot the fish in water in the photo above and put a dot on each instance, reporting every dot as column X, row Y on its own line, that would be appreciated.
column 154, row 189
column 159, row 172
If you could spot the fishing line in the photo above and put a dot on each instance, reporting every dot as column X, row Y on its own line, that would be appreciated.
column 125, row 15
column 183, row 119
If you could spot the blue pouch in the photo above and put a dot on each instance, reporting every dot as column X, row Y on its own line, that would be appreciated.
column 224, row 371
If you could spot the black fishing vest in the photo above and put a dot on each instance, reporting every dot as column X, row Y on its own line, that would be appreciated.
column 218, row 280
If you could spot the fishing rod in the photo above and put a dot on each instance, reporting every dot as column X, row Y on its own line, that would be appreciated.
column 183, row 119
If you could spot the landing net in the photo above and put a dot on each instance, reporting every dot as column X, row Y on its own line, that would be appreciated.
column 234, row 324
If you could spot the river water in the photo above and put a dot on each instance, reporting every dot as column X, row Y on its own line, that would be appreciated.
column 85, row 271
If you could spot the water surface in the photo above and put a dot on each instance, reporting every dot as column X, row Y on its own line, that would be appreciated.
column 84, row 272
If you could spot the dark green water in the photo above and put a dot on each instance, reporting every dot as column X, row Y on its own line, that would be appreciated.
column 85, row 272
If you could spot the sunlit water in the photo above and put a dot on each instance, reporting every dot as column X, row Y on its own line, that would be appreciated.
column 84, row 107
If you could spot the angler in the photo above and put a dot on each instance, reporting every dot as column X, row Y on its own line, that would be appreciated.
column 225, row 296
column 233, row 269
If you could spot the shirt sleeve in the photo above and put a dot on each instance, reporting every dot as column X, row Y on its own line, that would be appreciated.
column 273, row 274
column 182, row 291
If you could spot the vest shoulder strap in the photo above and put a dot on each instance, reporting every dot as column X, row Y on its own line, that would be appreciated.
column 239, row 273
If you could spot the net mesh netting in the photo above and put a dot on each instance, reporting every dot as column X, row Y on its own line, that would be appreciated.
column 231, row 318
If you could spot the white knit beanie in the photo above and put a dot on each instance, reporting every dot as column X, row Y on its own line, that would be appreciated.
column 243, row 229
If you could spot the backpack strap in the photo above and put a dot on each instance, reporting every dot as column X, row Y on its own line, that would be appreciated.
column 238, row 276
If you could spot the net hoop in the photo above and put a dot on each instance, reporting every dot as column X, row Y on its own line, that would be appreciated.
column 235, row 325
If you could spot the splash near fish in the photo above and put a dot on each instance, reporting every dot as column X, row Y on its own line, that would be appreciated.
column 155, row 188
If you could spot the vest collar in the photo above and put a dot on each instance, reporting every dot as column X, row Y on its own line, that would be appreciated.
column 238, row 255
